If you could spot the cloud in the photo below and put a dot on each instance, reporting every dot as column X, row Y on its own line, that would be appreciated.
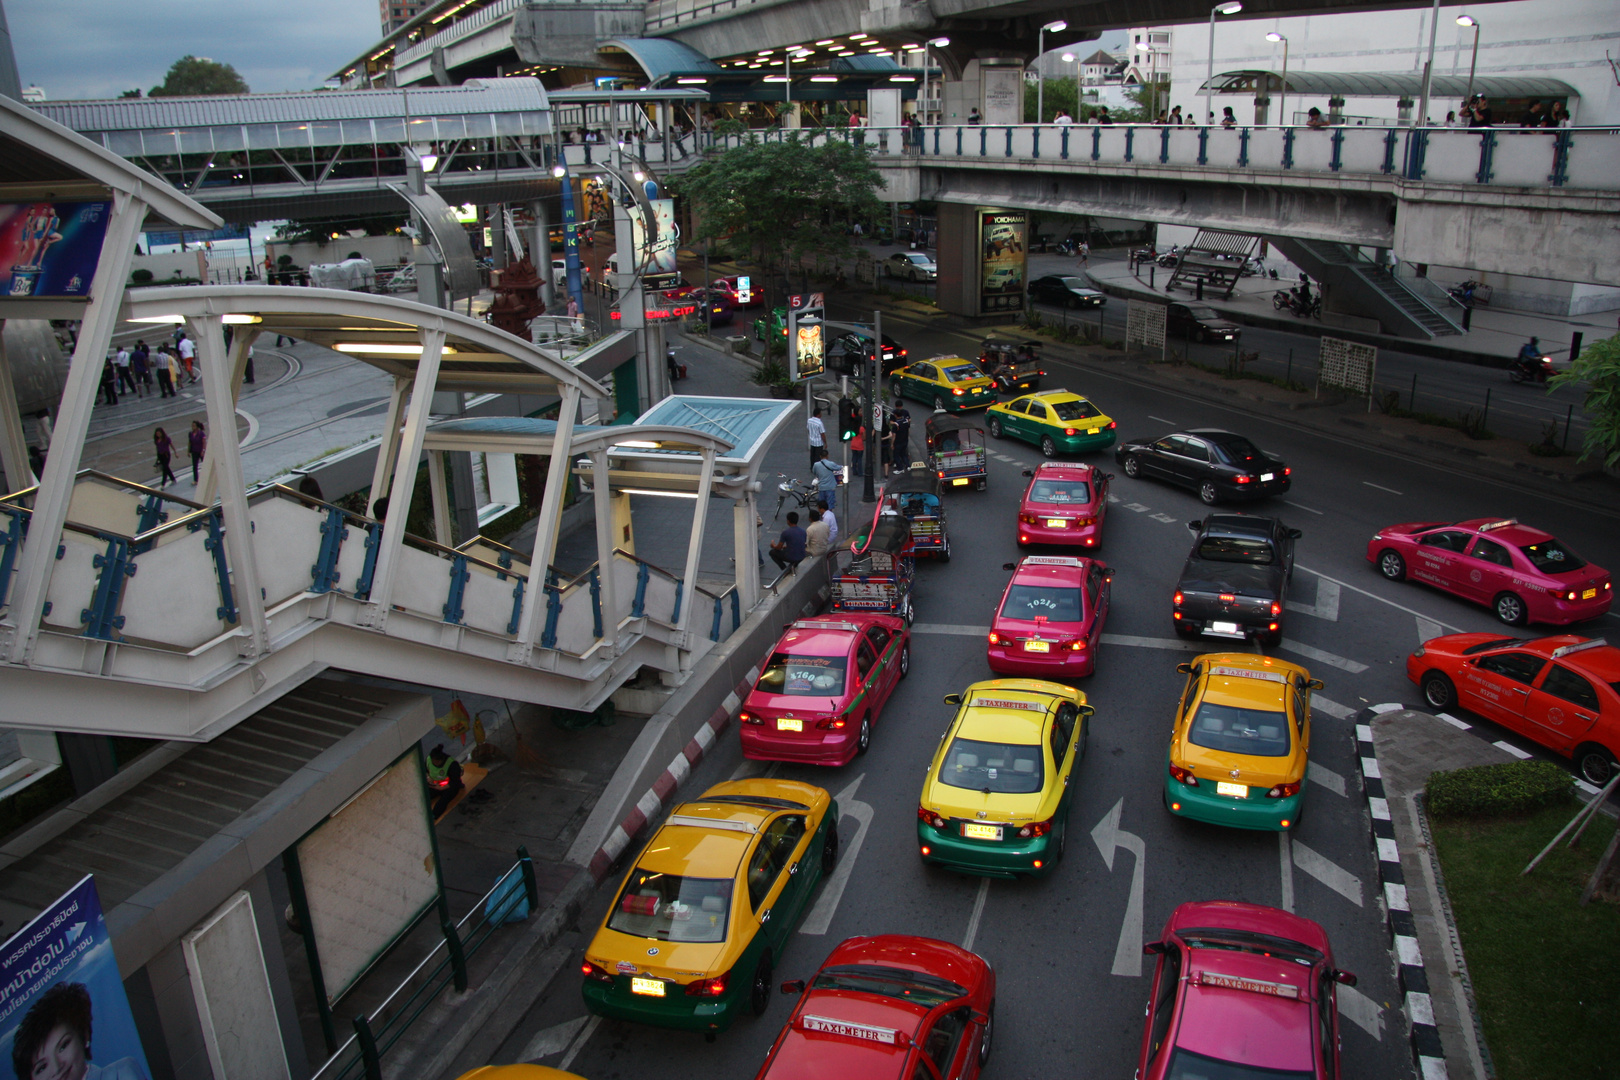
column 76, row 49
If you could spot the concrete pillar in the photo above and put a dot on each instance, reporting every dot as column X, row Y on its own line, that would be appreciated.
column 542, row 257
column 623, row 530
column 497, row 236
column 13, row 441
column 1262, row 109
column 440, row 491
column 463, row 498
column 745, row 549
column 606, row 534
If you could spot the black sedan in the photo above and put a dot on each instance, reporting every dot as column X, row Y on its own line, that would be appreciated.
column 857, row 348
column 1216, row 464
column 1200, row 321
column 1070, row 292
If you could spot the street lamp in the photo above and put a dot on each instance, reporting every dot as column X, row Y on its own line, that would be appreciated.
column 1055, row 26
column 1070, row 58
column 1153, row 78
column 1282, row 93
column 787, row 70
column 938, row 43
column 1469, row 20
column 1232, row 7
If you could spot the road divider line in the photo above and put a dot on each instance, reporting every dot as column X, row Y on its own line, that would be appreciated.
column 553, row 1040
column 579, row 1043
column 832, row 890
column 1354, row 667
column 1320, row 774
column 1301, row 506
column 1510, row 748
column 1287, row 859
column 1162, row 420
column 1381, row 487
column 1375, row 596
column 1331, row 707
column 978, row 912
column 1329, row 873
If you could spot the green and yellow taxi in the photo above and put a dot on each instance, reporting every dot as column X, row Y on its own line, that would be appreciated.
column 1054, row 420
column 695, row 929
column 996, row 801
column 1238, row 749
column 945, row 382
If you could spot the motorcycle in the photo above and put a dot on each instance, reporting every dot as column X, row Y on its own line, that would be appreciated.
column 1527, row 368
column 1281, row 299
column 1305, row 308
column 1068, row 247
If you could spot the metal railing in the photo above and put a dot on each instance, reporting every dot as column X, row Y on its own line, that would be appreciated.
column 457, row 30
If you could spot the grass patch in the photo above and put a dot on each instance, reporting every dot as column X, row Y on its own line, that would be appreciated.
column 1471, row 422
column 1229, row 371
column 1543, row 968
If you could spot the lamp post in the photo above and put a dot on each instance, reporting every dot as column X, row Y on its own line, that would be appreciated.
column 1070, row 58
column 938, row 43
column 1422, row 118
column 787, row 72
column 1055, row 26
column 1232, row 7
column 1153, row 78
column 1469, row 20
column 1282, row 92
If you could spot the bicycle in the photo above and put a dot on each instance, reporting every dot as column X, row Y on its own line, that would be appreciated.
column 803, row 493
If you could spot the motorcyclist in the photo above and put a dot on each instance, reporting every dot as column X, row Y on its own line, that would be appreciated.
column 1530, row 354
column 1531, row 363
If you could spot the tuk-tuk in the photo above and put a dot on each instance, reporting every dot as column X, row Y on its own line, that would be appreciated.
column 873, row 573
column 1015, row 365
column 914, row 495
column 956, row 451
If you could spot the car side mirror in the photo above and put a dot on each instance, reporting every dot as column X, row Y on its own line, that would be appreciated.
column 1108, row 476
column 1294, row 534
column 1154, row 948
column 1109, row 573
column 1316, row 684
column 953, row 699
column 1009, row 566
column 982, row 1019
column 1185, row 669
column 1029, row 472
column 793, row 986
column 1087, row 711
column 1345, row 977
column 1194, row 526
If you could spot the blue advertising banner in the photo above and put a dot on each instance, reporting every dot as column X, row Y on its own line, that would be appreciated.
column 50, row 249
column 63, row 1013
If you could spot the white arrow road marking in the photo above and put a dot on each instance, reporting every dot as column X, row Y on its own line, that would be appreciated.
column 1354, row 667
column 1326, row 777
column 1138, row 507
column 1327, row 602
column 832, row 890
column 579, row 1043
column 978, row 911
column 1427, row 628
column 1163, row 517
column 1361, row 1010
column 552, row 1040
column 1112, row 497
column 1108, row 835
column 1285, row 856
column 1331, row 707
column 1328, row 873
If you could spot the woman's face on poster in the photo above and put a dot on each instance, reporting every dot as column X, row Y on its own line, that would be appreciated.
column 62, row 1057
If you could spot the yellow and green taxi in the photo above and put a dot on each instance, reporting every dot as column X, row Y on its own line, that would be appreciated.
column 692, row 935
column 945, row 382
column 996, row 801
column 1237, row 751
column 1054, row 420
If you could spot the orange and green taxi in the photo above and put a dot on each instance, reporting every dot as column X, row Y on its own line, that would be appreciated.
column 1238, row 748
column 696, row 928
column 945, row 382
column 996, row 801
column 1054, row 420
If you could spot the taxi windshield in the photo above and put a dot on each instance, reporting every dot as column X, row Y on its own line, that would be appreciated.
column 1060, row 491
column 1234, row 730
column 927, row 991
column 993, row 768
column 673, row 908
column 1186, row 1065
column 1051, row 602
column 1551, row 557
column 1249, row 941
column 960, row 372
column 1074, row 410
column 804, row 676
column 1238, row 549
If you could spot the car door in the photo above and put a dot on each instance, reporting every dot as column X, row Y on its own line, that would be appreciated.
column 1498, row 686
column 1161, row 1008
column 884, row 645
column 868, row 678
column 1013, row 417
column 1485, row 570
column 1437, row 558
column 1097, row 597
column 776, row 884
column 1063, row 744
column 1191, row 464
column 1156, row 456
column 1031, row 426
column 921, row 384
column 946, row 1045
column 1562, row 709
column 1179, row 319
column 1327, row 1024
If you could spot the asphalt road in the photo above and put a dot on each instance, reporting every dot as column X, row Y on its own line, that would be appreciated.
column 1067, row 1006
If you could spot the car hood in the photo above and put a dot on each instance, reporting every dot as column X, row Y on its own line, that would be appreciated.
column 1217, row 324
column 997, row 807
column 1199, row 575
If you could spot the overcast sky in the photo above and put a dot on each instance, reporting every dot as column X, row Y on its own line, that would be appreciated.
column 100, row 48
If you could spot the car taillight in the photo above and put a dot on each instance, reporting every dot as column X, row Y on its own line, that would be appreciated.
column 1572, row 594
column 1112, row 424
column 1276, row 609
column 1085, row 519
column 1227, row 598
column 1036, row 828
column 1178, row 598
column 942, row 474
column 929, row 817
column 958, row 391
column 995, row 638
column 1272, row 627
column 1242, row 479
column 1071, row 431
column 1287, row 471
column 750, row 718
column 1184, row 775
column 1026, row 519
column 832, row 723
column 1283, row 791
column 1077, row 646
column 591, row 971
column 707, row 987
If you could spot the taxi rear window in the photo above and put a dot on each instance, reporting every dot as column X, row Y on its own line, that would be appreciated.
column 958, row 372
column 669, row 907
column 1074, row 410
column 804, row 676
column 926, row 991
column 1234, row 730
column 1186, row 1065
column 1236, row 549
column 1551, row 557
column 995, row 768
column 1050, row 602
column 1060, row 491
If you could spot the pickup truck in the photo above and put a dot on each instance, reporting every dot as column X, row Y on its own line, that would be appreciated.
column 1235, row 580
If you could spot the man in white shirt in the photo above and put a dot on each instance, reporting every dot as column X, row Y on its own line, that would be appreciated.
column 816, row 537
column 188, row 356
column 818, row 436
column 830, row 518
column 1063, row 117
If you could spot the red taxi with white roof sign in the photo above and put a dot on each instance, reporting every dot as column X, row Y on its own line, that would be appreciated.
column 1519, row 572
column 1051, row 617
column 1065, row 503
column 893, row 1007
column 823, row 688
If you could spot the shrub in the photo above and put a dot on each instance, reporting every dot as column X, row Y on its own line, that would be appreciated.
column 1514, row 787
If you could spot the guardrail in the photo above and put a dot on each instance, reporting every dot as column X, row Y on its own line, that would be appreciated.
column 455, row 31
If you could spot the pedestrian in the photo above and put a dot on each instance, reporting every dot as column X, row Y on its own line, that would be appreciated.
column 174, row 372
column 1228, row 118
column 900, row 420
column 160, row 364
column 1063, row 117
column 36, row 461
column 1175, row 116
column 1533, row 116
column 165, row 451
column 1315, row 120
column 973, row 116
column 121, row 366
column 826, row 473
column 818, row 436
column 855, row 119
column 188, row 355
column 444, row 780
column 197, row 443
column 857, row 451
column 140, row 362
column 789, row 547
column 1085, row 253
column 817, row 538
column 1102, row 115
column 109, row 380
column 1479, row 112
column 885, row 446
column 247, row 375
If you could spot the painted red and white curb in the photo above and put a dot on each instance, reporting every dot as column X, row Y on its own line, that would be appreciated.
column 657, row 797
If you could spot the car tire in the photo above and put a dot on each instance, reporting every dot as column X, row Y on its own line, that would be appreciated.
column 1438, row 690
column 1509, row 607
column 939, row 404
column 1062, row 844
column 759, row 992
column 863, row 741
column 1208, row 493
column 1048, row 447
column 1203, row 335
column 945, row 552
column 1391, row 565
column 984, row 1036
column 829, row 850
column 905, row 660
column 1131, row 467
column 1594, row 764
column 894, row 390
column 995, row 427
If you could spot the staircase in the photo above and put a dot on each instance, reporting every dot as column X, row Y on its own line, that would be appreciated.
column 1215, row 259
column 1362, row 286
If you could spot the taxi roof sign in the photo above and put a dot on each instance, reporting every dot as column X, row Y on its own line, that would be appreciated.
column 827, row 1025
column 818, row 624
column 1007, row 703
column 713, row 823
column 1565, row 650
column 1502, row 524
column 1051, row 560
column 1249, row 673
column 1253, row 986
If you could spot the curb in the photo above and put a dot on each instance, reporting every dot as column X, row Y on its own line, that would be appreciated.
column 1427, row 1052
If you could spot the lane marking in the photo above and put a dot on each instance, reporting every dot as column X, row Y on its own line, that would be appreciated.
column 978, row 911
column 1331, row 707
column 950, row 628
column 1510, row 748
column 253, row 426
column 1380, row 710
column 1329, row 779
column 1287, row 860
column 1375, row 596
column 579, row 1043
column 1328, row 873
column 1454, row 722
column 1138, row 507
column 1161, row 420
column 1108, row 835
column 1327, row 602
column 1381, row 487
column 1170, row 644
column 1360, row 1010
column 1301, row 506
column 1112, row 497
column 1164, row 517
column 1426, row 629
column 832, row 890
column 553, row 1040
column 1354, row 667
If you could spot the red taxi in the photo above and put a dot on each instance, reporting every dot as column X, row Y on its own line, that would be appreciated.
column 1521, row 573
column 1562, row 692
column 1051, row 617
column 821, row 691
column 911, row 1008
column 745, row 291
column 1241, row 990
column 1065, row 503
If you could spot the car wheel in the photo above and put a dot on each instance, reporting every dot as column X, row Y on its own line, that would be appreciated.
column 984, row 1036
column 759, row 994
column 894, row 390
column 945, row 552
column 1391, row 565
column 863, row 743
column 1071, row 304
column 1595, row 765
column 995, row 427
column 1132, row 469
column 1203, row 335
column 1062, row 843
column 1509, row 608
column 1438, row 690
column 939, row 403
column 829, row 850
column 1048, row 447
column 905, row 660
column 1207, row 492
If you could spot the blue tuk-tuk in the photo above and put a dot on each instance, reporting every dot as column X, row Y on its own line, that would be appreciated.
column 915, row 496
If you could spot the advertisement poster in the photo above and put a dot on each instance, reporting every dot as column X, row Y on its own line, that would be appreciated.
column 660, row 258
column 1003, row 248
column 63, row 1012
column 807, row 340
column 50, row 249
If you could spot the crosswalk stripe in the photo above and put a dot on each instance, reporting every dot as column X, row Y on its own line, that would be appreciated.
column 1427, row 628
column 1327, row 602
column 1328, row 873
column 1510, row 748
column 1331, row 707
column 1354, row 667
column 1360, row 1010
column 1329, row 779
column 1454, row 722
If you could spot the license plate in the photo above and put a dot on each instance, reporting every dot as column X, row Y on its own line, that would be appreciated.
column 960, row 483
column 649, row 987
column 1240, row 791
column 972, row 830
column 1267, row 477
column 786, row 724
column 1588, row 594
column 1037, row 646
column 1056, row 523
column 1224, row 627
column 1093, row 430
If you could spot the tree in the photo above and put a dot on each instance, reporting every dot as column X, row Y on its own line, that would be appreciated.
column 135, row 93
column 1599, row 367
column 784, row 200
column 195, row 75
column 1060, row 94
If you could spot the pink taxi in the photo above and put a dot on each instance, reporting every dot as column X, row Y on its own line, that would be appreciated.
column 1065, row 503
column 1051, row 617
column 823, row 688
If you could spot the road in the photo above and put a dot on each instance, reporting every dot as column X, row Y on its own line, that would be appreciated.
column 1067, row 1005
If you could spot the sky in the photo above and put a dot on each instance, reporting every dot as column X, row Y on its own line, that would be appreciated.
column 75, row 49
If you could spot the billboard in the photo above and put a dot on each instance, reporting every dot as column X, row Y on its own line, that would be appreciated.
column 807, row 336
column 50, row 249
column 62, row 1006
column 1003, row 247
column 660, row 256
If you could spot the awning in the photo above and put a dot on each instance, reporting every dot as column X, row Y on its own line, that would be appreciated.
column 1389, row 84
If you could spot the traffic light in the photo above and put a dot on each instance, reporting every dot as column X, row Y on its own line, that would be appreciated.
column 849, row 419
